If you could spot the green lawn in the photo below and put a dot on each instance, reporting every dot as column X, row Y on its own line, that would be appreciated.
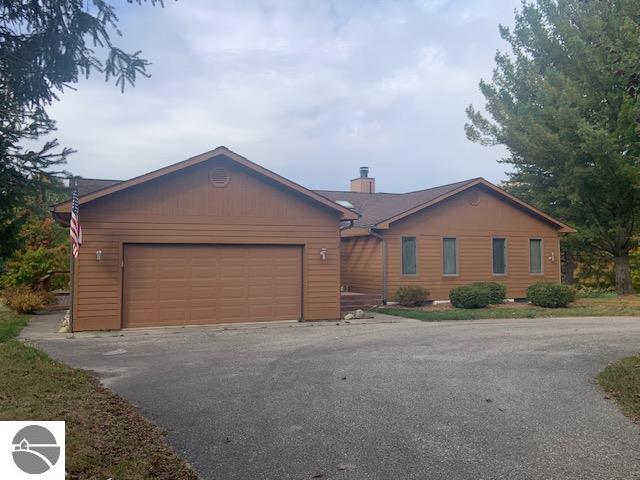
column 10, row 324
column 621, row 380
column 585, row 307
column 105, row 436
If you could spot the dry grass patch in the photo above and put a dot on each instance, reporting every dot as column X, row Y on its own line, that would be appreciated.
column 105, row 436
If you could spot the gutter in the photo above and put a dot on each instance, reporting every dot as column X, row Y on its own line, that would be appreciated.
column 349, row 224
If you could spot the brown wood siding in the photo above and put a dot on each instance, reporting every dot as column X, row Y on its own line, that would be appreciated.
column 473, row 217
column 185, row 208
column 361, row 268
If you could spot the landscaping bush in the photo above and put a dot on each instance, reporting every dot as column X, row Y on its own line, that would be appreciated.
column 592, row 292
column 470, row 296
column 43, row 246
column 25, row 299
column 497, row 291
column 411, row 296
column 550, row 295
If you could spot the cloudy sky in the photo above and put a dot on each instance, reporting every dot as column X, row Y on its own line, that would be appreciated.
column 310, row 89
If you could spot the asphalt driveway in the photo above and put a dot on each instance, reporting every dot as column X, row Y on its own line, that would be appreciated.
column 496, row 399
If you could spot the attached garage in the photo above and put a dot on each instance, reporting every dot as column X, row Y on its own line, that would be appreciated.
column 204, row 284
column 213, row 239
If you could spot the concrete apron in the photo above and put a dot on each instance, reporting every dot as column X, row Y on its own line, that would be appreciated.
column 45, row 327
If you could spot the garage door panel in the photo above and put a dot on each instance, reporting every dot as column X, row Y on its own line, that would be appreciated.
column 261, row 292
column 205, row 272
column 284, row 311
column 230, row 272
column 261, row 271
column 233, row 313
column 207, row 293
column 233, row 293
column 176, row 293
column 173, row 272
column 172, row 314
column 143, row 293
column 202, row 284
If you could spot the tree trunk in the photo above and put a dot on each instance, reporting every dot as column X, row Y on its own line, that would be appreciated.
column 623, row 274
column 568, row 266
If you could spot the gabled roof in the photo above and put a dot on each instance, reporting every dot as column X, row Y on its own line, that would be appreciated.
column 90, row 185
column 379, row 210
column 109, row 187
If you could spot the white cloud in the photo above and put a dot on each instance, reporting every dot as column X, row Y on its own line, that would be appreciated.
column 310, row 89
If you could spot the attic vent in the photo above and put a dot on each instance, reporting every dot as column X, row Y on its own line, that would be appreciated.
column 474, row 198
column 219, row 177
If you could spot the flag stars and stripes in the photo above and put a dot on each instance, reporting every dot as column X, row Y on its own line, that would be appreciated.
column 75, row 230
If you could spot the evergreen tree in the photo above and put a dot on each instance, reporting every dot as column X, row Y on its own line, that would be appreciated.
column 561, row 104
column 45, row 46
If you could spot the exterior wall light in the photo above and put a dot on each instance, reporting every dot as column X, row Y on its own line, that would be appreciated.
column 552, row 257
column 98, row 255
column 323, row 253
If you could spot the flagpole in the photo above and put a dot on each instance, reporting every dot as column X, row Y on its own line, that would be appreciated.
column 72, row 267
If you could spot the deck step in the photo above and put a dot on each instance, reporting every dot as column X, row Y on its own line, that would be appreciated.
column 355, row 301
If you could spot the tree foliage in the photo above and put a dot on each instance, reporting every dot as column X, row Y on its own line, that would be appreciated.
column 561, row 104
column 39, row 244
column 45, row 47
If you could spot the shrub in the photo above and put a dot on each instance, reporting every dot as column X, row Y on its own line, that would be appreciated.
column 592, row 292
column 470, row 296
column 25, row 299
column 26, row 267
column 550, row 295
column 497, row 291
column 411, row 296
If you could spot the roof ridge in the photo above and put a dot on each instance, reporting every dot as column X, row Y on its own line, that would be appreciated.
column 359, row 193
column 460, row 182
column 80, row 177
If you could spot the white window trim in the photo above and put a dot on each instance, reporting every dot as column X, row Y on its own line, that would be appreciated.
column 449, row 237
column 506, row 257
column 541, row 273
column 402, row 253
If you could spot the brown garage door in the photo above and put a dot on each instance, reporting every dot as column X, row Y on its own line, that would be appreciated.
column 201, row 284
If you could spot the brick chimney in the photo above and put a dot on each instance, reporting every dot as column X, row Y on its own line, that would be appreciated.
column 363, row 183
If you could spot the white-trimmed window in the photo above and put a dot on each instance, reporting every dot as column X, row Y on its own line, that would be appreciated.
column 450, row 256
column 499, row 252
column 535, row 256
column 409, row 256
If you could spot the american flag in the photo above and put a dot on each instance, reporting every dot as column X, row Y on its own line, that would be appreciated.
column 75, row 230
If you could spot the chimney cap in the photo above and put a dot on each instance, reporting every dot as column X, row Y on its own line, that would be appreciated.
column 364, row 172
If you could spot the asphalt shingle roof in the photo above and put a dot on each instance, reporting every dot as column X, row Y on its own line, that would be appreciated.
column 377, row 207
column 89, row 185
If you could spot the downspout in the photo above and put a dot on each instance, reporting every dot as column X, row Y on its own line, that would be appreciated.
column 384, row 263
